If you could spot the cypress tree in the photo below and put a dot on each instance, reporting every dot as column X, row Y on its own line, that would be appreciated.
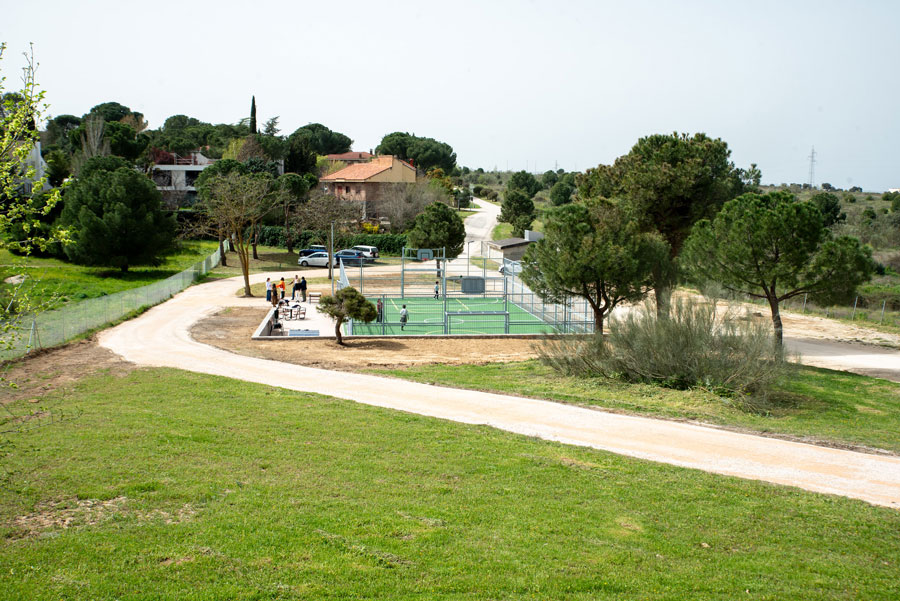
column 253, row 115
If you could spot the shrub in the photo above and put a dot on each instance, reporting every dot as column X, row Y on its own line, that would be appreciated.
column 696, row 346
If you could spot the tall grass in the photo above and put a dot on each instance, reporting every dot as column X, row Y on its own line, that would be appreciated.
column 697, row 346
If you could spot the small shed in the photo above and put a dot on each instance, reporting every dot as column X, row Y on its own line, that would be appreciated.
column 511, row 248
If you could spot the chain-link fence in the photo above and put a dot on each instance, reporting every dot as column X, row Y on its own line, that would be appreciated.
column 862, row 310
column 466, row 296
column 52, row 328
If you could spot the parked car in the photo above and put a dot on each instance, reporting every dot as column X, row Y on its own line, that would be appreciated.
column 350, row 257
column 514, row 267
column 370, row 252
column 316, row 259
column 314, row 248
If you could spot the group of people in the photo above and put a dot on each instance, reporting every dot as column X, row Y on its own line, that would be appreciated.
column 275, row 290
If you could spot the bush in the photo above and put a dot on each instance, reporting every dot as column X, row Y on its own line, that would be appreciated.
column 697, row 346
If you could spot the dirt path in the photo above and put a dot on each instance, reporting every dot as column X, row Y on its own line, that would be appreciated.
column 161, row 337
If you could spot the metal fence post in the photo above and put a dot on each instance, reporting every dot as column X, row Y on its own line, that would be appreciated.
column 883, row 303
column 855, row 300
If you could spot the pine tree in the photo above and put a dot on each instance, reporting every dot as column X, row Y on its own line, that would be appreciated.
column 253, row 115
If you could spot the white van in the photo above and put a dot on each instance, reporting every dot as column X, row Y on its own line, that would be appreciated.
column 369, row 252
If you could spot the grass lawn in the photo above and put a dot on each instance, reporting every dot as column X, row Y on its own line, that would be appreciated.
column 72, row 283
column 818, row 404
column 174, row 485
column 271, row 258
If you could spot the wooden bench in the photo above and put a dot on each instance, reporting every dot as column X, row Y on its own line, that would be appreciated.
column 314, row 297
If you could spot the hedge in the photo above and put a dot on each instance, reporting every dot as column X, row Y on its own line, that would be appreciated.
column 390, row 244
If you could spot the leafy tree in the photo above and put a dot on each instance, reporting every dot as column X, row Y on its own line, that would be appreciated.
column 751, row 178
column 253, row 115
column 438, row 226
column 123, row 141
column 23, row 206
column 271, row 127
column 775, row 247
column 274, row 147
column 525, row 182
column 104, row 163
column 296, row 189
column 59, row 167
column 396, row 144
column 670, row 182
column 321, row 211
column 549, row 179
column 561, row 193
column 424, row 153
column 299, row 156
column 403, row 202
column 111, row 111
column 593, row 251
column 321, row 140
column 437, row 178
column 830, row 207
column 347, row 303
column 517, row 209
column 116, row 219
column 237, row 203
column 428, row 153
column 57, row 134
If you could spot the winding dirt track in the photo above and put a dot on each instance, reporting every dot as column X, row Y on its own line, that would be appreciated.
column 160, row 337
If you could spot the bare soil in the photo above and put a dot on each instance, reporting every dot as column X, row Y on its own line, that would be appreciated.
column 43, row 372
column 231, row 329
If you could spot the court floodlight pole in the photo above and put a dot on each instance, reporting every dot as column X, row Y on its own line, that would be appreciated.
column 402, row 269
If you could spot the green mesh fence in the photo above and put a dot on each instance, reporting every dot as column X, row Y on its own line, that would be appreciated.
column 52, row 328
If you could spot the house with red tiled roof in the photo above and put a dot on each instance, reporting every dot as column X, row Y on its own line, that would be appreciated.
column 369, row 182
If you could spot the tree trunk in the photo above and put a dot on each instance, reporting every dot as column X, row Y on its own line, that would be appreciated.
column 663, row 294
column 599, row 313
column 288, row 239
column 776, row 322
column 222, row 249
column 337, row 332
column 245, row 269
column 255, row 242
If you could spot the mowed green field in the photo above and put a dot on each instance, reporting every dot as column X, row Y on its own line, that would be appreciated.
column 69, row 283
column 426, row 317
column 163, row 484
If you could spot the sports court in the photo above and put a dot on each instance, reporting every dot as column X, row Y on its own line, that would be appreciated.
column 451, row 316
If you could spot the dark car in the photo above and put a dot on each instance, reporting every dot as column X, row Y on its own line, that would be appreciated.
column 315, row 248
column 350, row 257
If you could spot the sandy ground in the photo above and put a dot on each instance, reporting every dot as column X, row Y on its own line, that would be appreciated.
column 231, row 328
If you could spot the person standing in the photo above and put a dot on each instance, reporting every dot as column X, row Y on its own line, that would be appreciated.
column 437, row 288
column 295, row 287
column 379, row 306
column 404, row 316
column 268, row 290
column 281, row 287
column 303, row 288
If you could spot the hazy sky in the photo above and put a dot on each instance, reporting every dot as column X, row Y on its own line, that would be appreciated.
column 506, row 83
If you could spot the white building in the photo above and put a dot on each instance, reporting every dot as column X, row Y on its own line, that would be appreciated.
column 176, row 181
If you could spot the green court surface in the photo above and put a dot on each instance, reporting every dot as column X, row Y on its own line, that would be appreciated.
column 426, row 317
